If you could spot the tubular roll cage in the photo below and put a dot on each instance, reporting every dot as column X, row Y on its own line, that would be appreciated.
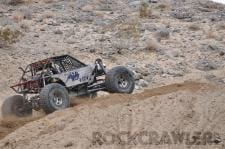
column 33, row 86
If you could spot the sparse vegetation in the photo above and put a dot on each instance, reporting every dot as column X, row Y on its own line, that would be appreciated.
column 121, row 44
column 163, row 33
column 8, row 36
column 129, row 29
column 145, row 10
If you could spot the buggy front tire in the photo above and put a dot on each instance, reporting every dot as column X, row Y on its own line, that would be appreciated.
column 119, row 80
column 14, row 106
column 54, row 97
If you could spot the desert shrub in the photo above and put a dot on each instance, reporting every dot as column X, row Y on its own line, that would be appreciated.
column 162, row 33
column 144, row 10
column 129, row 29
column 120, row 44
column 8, row 35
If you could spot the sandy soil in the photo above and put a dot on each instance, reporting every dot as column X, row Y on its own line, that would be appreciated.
column 183, row 71
column 189, row 107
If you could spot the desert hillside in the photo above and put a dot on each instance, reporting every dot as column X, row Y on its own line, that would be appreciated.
column 189, row 107
column 175, row 48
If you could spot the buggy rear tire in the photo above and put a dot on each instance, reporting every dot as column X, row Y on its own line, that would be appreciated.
column 54, row 97
column 119, row 80
column 14, row 107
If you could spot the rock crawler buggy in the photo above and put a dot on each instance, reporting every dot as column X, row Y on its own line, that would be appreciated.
column 47, row 84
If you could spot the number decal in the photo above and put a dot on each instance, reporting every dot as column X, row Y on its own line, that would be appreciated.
column 84, row 79
column 73, row 76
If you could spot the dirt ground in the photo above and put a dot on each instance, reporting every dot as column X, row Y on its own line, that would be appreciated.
column 176, row 49
column 188, row 106
column 11, row 124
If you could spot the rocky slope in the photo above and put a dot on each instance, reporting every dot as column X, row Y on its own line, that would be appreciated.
column 164, row 39
column 163, row 42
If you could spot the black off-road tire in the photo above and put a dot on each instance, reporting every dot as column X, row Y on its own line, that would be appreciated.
column 119, row 80
column 54, row 97
column 14, row 107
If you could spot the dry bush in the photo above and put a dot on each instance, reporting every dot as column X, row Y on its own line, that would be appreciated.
column 120, row 44
column 8, row 35
column 162, row 33
column 129, row 29
column 145, row 10
column 152, row 45
column 194, row 27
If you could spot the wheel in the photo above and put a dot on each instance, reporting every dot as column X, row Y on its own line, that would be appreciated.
column 119, row 80
column 14, row 107
column 54, row 97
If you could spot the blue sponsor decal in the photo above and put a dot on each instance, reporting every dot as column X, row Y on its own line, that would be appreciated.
column 73, row 76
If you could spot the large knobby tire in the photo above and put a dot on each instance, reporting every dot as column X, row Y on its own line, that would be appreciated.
column 54, row 97
column 14, row 107
column 119, row 80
